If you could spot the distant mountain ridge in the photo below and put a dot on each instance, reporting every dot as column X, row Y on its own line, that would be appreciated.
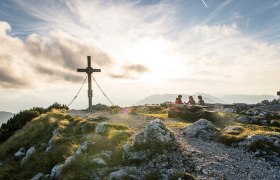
column 249, row 99
column 5, row 116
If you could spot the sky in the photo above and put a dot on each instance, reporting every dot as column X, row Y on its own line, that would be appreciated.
column 143, row 47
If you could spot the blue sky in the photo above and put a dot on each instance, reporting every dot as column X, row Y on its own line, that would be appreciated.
column 255, row 17
column 228, row 47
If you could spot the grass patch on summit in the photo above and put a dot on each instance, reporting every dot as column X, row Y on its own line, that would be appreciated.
column 73, row 131
column 160, row 116
column 231, row 137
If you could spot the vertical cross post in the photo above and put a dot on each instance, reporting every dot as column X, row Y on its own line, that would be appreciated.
column 89, row 70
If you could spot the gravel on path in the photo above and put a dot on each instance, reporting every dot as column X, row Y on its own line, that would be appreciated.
column 213, row 160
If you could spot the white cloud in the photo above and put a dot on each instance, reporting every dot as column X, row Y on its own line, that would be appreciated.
column 39, row 60
column 121, row 34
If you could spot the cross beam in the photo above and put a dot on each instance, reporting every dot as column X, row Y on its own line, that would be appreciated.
column 89, row 70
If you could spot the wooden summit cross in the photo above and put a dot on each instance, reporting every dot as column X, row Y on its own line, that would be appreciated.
column 89, row 70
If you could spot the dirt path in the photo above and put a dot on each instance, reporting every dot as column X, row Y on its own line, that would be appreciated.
column 213, row 160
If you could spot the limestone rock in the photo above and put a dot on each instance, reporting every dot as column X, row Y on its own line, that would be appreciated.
column 50, row 146
column 256, row 138
column 99, row 161
column 101, row 128
column 83, row 147
column 20, row 153
column 234, row 130
column 123, row 174
column 154, row 136
column 108, row 154
column 29, row 152
column 99, row 118
column 38, row 176
column 69, row 160
column 136, row 155
column 56, row 170
column 203, row 129
column 50, row 143
column 155, row 133
column 56, row 132
column 240, row 106
column 243, row 119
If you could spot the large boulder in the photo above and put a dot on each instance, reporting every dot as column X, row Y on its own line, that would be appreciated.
column 155, row 138
column 155, row 134
column 203, row 129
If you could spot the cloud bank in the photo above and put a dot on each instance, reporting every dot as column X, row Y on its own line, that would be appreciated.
column 38, row 60
column 130, row 41
column 131, row 71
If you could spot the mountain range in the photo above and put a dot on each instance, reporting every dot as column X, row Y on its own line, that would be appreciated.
column 4, row 116
column 249, row 99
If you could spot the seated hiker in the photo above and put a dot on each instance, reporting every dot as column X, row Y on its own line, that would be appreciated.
column 179, row 100
column 191, row 101
column 200, row 101
column 179, row 105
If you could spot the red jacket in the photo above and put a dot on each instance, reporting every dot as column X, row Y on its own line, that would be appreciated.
column 178, row 102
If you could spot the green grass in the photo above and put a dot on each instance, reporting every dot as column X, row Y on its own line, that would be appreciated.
column 73, row 131
column 230, row 137
column 177, row 124
column 160, row 115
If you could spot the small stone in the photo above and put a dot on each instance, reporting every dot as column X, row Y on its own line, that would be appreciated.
column 70, row 159
column 99, row 161
column 29, row 152
column 38, row 176
column 101, row 128
column 56, row 132
column 243, row 119
column 56, row 170
column 83, row 147
column 108, row 154
column 20, row 153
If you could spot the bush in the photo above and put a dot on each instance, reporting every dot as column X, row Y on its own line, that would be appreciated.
column 57, row 106
column 20, row 119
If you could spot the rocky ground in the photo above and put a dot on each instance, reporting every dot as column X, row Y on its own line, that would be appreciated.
column 195, row 152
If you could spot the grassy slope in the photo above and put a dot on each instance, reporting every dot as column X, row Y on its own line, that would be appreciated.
column 73, row 131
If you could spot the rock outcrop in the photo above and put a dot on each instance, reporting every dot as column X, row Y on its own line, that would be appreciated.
column 155, row 134
column 153, row 138
column 203, row 129
column 267, row 147
column 259, row 116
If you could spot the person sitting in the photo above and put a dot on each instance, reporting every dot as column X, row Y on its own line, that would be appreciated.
column 191, row 101
column 179, row 100
column 200, row 101
column 178, row 106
